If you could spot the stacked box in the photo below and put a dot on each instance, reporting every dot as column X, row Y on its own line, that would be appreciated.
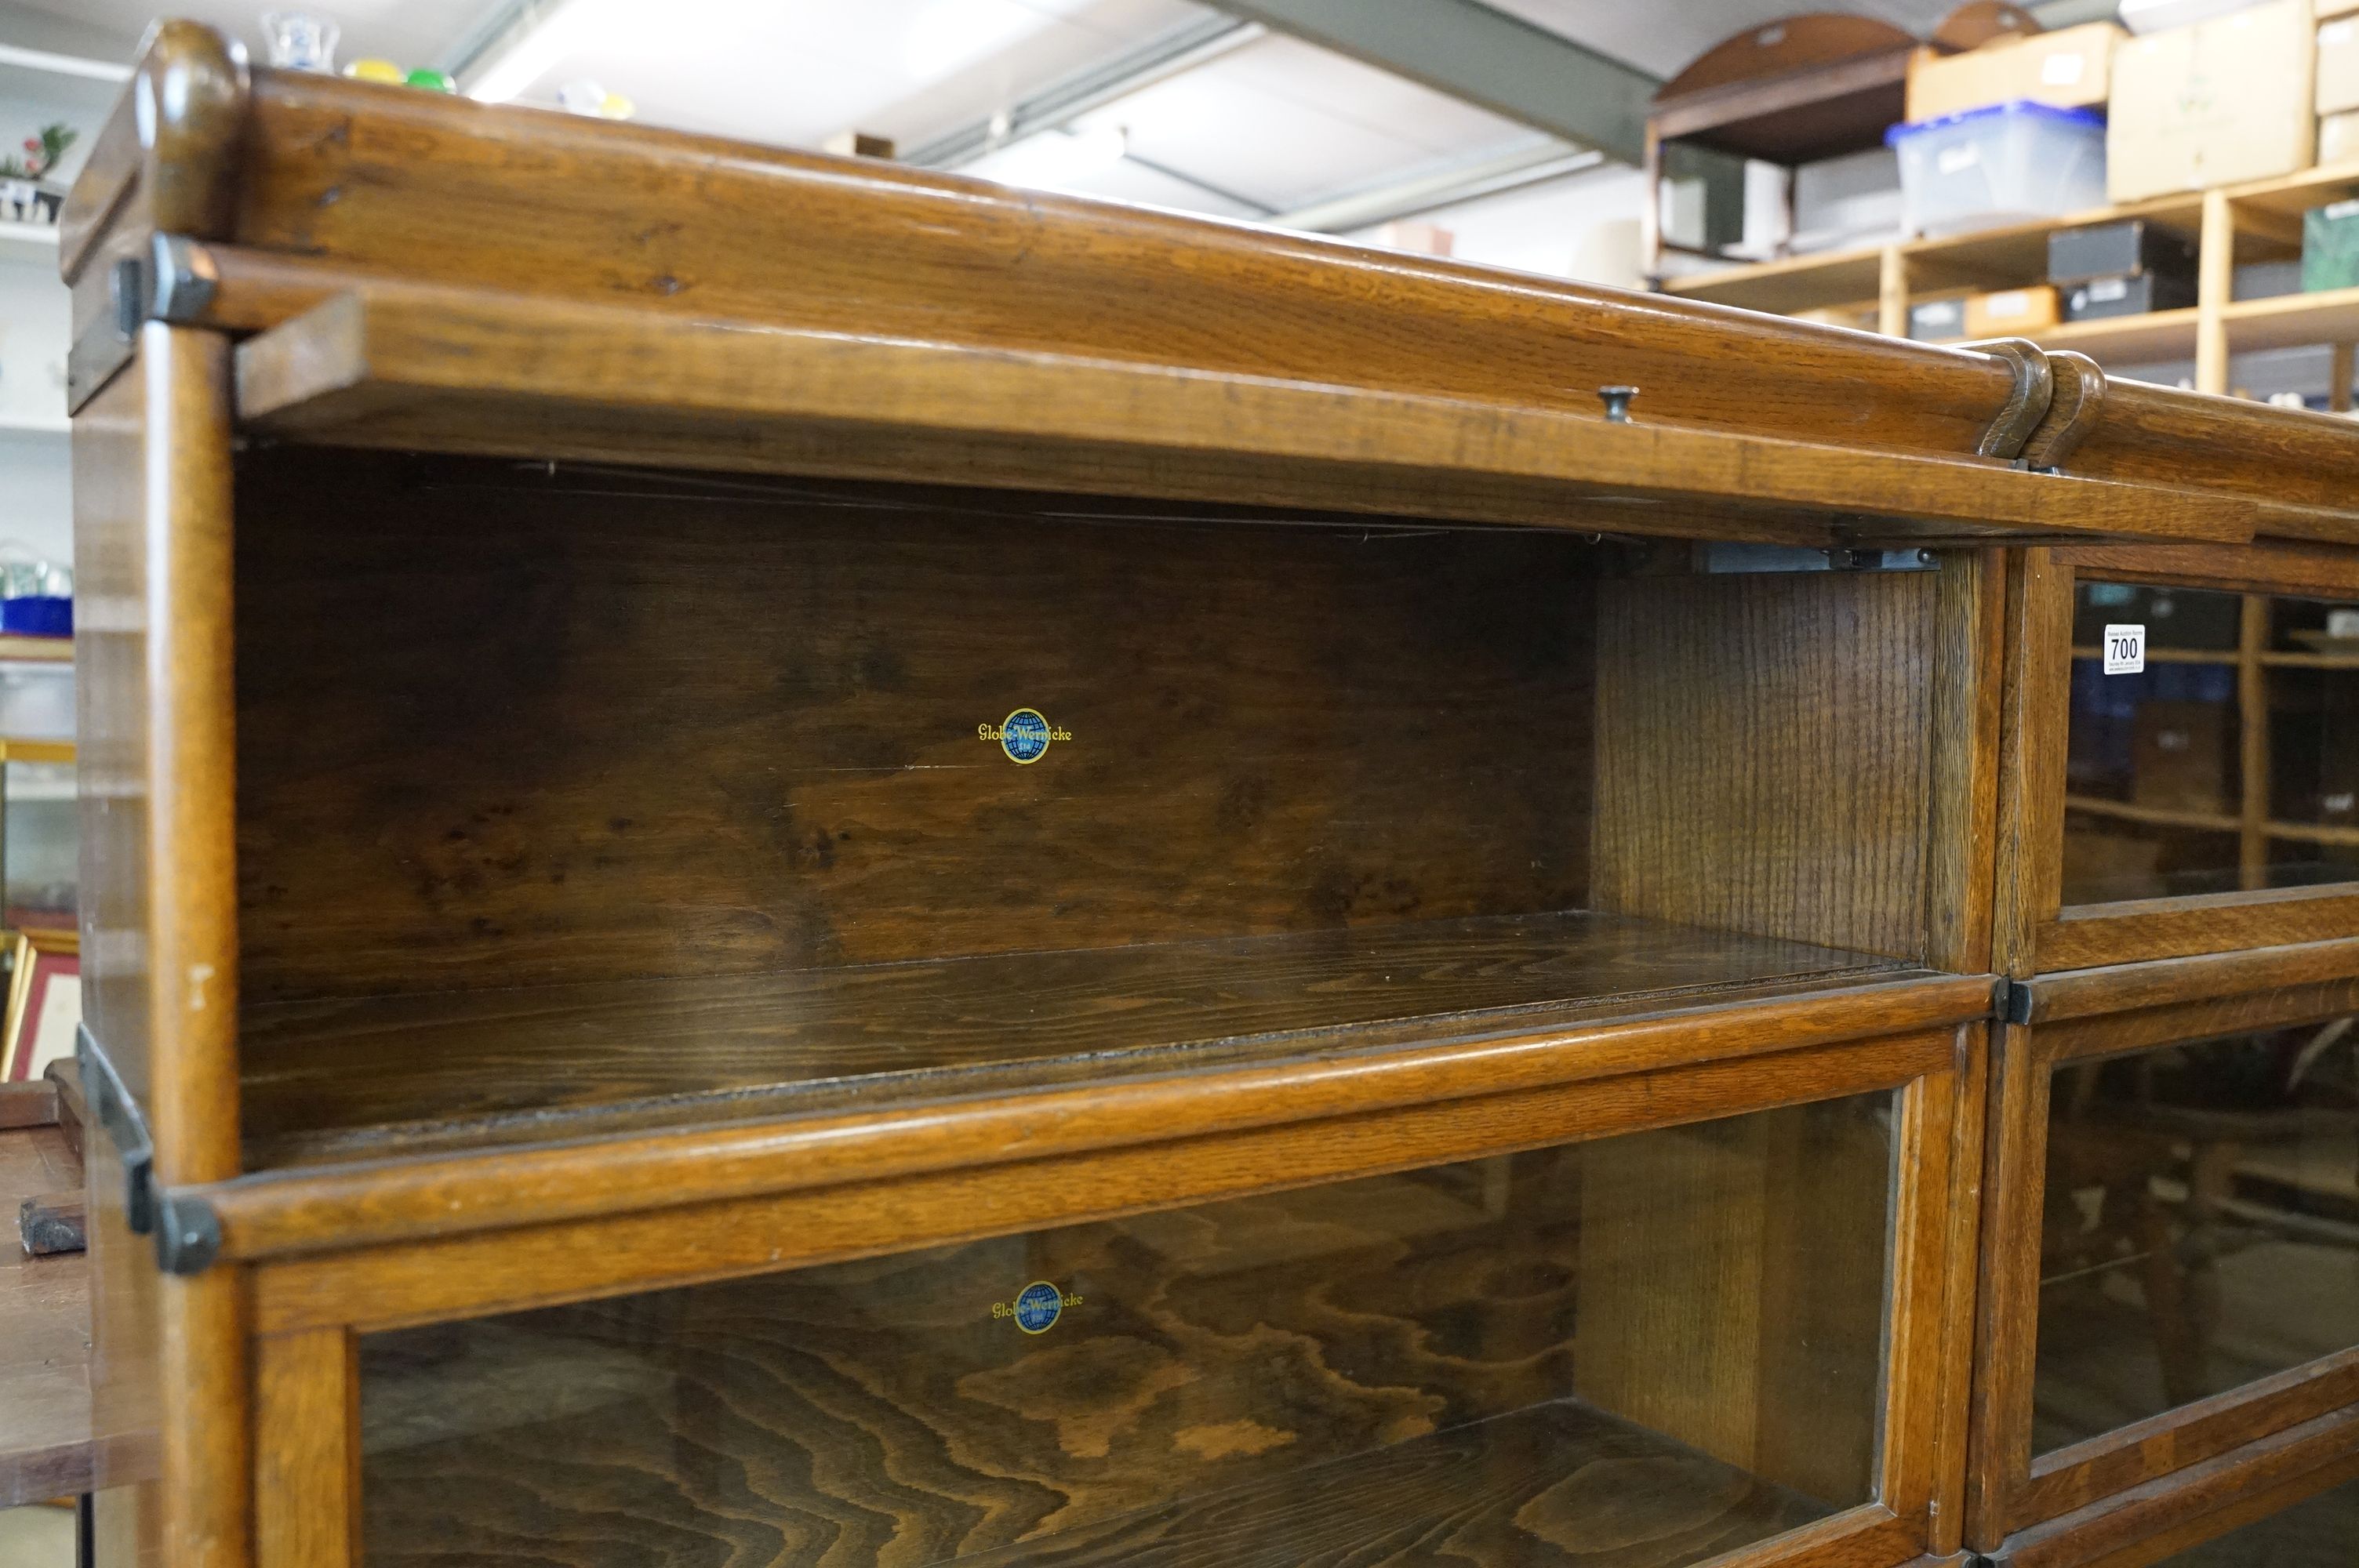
column 2217, row 104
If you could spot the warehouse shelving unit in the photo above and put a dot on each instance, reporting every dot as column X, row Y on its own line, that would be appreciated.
column 2231, row 226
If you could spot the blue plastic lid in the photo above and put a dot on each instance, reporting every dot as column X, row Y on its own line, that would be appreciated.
column 1896, row 134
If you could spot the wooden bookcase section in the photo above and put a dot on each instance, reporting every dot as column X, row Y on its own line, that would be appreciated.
column 677, row 730
column 2159, row 1188
column 2039, row 932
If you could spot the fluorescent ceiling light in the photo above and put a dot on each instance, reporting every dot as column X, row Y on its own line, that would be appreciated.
column 1054, row 160
column 541, row 36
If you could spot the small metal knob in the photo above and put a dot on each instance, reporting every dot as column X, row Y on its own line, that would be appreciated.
column 1617, row 403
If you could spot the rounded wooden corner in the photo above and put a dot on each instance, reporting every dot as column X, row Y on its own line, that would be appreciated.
column 2079, row 398
column 173, row 135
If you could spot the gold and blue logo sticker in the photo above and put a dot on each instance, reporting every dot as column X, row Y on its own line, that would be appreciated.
column 1024, row 735
column 1036, row 1307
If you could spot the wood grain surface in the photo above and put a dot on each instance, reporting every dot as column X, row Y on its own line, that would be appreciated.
column 1722, row 704
column 453, row 191
column 1775, row 1050
column 1384, row 1371
column 500, row 728
column 347, row 1078
column 511, row 375
column 46, row 1447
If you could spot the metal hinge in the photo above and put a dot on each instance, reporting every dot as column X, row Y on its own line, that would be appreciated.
column 173, row 282
column 1724, row 557
column 187, row 1231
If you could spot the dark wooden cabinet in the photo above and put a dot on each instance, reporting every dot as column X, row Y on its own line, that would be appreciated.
column 797, row 860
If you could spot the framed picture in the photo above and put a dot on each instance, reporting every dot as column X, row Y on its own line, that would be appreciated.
column 44, row 1003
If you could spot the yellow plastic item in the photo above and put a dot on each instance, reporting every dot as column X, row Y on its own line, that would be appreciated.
column 376, row 71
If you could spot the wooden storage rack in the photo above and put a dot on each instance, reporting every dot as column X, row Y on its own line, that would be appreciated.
column 2233, row 224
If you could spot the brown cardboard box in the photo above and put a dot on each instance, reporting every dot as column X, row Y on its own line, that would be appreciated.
column 2222, row 102
column 2179, row 757
column 2338, row 65
column 2010, row 312
column 2338, row 138
column 2069, row 68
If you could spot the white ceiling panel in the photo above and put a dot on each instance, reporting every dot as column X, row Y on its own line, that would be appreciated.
column 1283, row 124
column 796, row 72
column 1662, row 38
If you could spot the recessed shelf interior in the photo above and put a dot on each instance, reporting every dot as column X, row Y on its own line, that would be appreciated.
column 586, row 797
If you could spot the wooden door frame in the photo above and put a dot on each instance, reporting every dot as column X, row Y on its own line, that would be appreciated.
column 2036, row 933
column 2201, row 1503
column 309, row 1308
column 2091, row 1016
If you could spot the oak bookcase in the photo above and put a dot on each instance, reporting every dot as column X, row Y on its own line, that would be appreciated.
column 794, row 859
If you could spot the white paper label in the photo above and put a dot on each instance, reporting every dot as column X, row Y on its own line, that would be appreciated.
column 1999, row 307
column 2104, row 290
column 1953, row 159
column 2341, row 623
column 2125, row 650
column 2063, row 70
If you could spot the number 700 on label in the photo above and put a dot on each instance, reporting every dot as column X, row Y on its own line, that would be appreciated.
column 2125, row 650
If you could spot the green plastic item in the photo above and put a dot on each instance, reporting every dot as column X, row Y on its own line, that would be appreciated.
column 2330, row 247
column 432, row 81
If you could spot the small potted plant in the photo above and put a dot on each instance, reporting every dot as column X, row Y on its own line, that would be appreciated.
column 24, row 196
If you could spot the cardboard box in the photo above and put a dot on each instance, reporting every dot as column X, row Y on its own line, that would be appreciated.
column 2099, row 299
column 2330, row 247
column 2338, row 65
column 2217, row 104
column 2179, row 756
column 2338, row 138
column 1941, row 319
column 2125, row 249
column 2010, row 312
column 2070, row 67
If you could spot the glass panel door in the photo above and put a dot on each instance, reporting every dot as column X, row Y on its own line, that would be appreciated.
column 1671, row 1343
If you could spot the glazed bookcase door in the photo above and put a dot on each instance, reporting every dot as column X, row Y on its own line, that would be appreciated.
column 2207, row 800
column 2174, row 1258
column 1720, row 1336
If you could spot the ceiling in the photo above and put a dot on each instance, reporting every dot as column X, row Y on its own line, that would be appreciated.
column 1265, row 127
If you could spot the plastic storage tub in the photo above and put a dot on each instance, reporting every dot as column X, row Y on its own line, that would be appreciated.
column 1999, row 165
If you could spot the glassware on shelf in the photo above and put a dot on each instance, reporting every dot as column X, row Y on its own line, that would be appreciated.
column 298, row 41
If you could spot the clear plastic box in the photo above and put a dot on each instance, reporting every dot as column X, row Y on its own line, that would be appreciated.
column 2003, row 164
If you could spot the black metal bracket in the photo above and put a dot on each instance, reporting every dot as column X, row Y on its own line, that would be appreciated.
column 2014, row 1001
column 173, row 282
column 1724, row 558
column 187, row 1231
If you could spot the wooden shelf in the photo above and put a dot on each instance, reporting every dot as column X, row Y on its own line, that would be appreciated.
column 2315, row 833
column 2152, row 816
column 2127, row 339
column 36, row 650
column 2009, row 255
column 1488, row 1493
column 2172, row 656
column 2291, row 320
column 2290, row 660
column 1784, row 286
column 344, row 1079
